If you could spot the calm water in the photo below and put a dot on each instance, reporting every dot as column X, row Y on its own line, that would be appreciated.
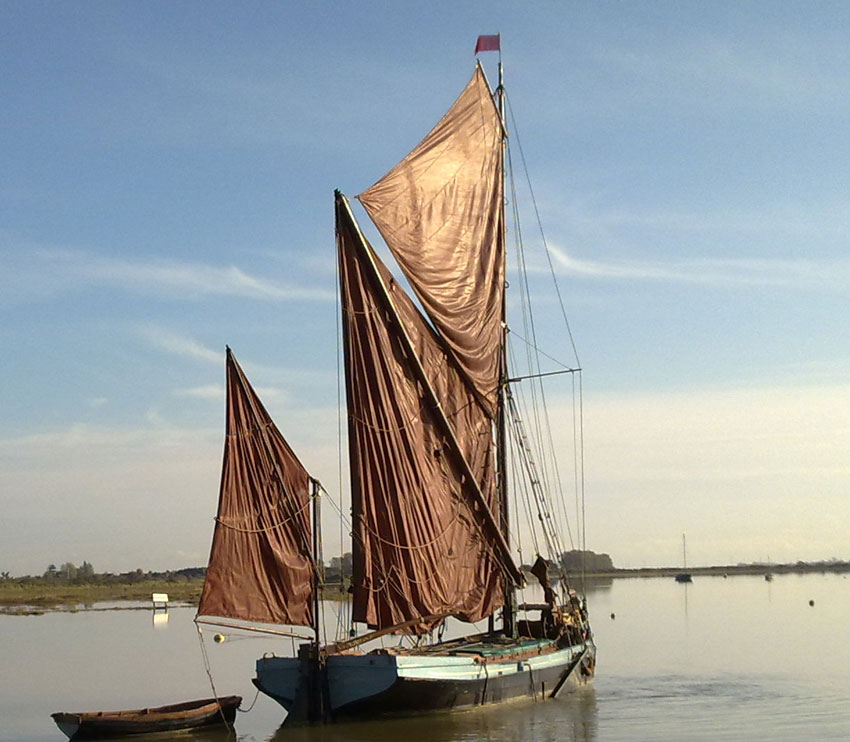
column 720, row 659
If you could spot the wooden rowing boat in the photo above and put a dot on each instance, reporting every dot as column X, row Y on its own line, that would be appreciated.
column 188, row 715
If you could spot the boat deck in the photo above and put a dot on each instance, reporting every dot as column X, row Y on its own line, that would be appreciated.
column 495, row 647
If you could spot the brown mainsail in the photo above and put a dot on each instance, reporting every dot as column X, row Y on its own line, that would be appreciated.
column 426, row 540
column 440, row 212
column 260, row 566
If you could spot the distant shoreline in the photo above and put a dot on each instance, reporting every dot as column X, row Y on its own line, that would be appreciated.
column 38, row 598
column 727, row 570
column 19, row 598
column 32, row 599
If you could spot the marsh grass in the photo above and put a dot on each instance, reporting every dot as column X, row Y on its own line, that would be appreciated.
column 32, row 599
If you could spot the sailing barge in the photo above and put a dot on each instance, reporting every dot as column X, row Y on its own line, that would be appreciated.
column 430, row 411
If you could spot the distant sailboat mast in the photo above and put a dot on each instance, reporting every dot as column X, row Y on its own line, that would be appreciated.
column 684, row 575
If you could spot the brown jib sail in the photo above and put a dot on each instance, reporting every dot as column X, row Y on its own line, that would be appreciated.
column 426, row 540
column 260, row 566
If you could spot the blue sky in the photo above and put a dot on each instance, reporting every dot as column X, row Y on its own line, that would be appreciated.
column 166, row 179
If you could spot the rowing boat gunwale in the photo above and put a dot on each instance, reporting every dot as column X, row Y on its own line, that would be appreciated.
column 126, row 722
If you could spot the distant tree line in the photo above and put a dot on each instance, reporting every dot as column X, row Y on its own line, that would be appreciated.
column 70, row 574
column 575, row 561
column 586, row 561
column 339, row 569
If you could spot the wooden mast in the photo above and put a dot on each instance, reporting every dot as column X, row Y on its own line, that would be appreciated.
column 508, row 609
column 318, row 559
column 317, row 703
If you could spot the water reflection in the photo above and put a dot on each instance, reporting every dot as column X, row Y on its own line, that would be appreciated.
column 572, row 717
column 594, row 585
column 216, row 734
column 160, row 619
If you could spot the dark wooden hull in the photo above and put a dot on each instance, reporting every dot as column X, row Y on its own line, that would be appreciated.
column 382, row 684
column 409, row 696
column 107, row 724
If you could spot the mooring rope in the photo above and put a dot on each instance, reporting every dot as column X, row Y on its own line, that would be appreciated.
column 212, row 682
column 245, row 711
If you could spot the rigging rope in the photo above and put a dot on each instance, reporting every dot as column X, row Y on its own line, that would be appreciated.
column 266, row 529
column 542, row 234
column 344, row 616
column 542, row 352
column 528, row 322
column 543, row 439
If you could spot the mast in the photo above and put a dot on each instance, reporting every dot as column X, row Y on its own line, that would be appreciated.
column 318, row 559
column 508, row 623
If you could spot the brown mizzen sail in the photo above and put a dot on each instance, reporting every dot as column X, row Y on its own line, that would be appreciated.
column 426, row 540
column 440, row 212
column 260, row 566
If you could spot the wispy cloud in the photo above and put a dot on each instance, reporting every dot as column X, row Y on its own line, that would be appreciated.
column 180, row 345
column 834, row 274
column 39, row 272
column 208, row 391
column 185, row 346
column 269, row 393
column 755, row 246
column 216, row 392
column 826, row 221
column 81, row 436
column 183, row 278
column 711, row 70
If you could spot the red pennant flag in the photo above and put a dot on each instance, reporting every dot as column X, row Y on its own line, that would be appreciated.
column 487, row 44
